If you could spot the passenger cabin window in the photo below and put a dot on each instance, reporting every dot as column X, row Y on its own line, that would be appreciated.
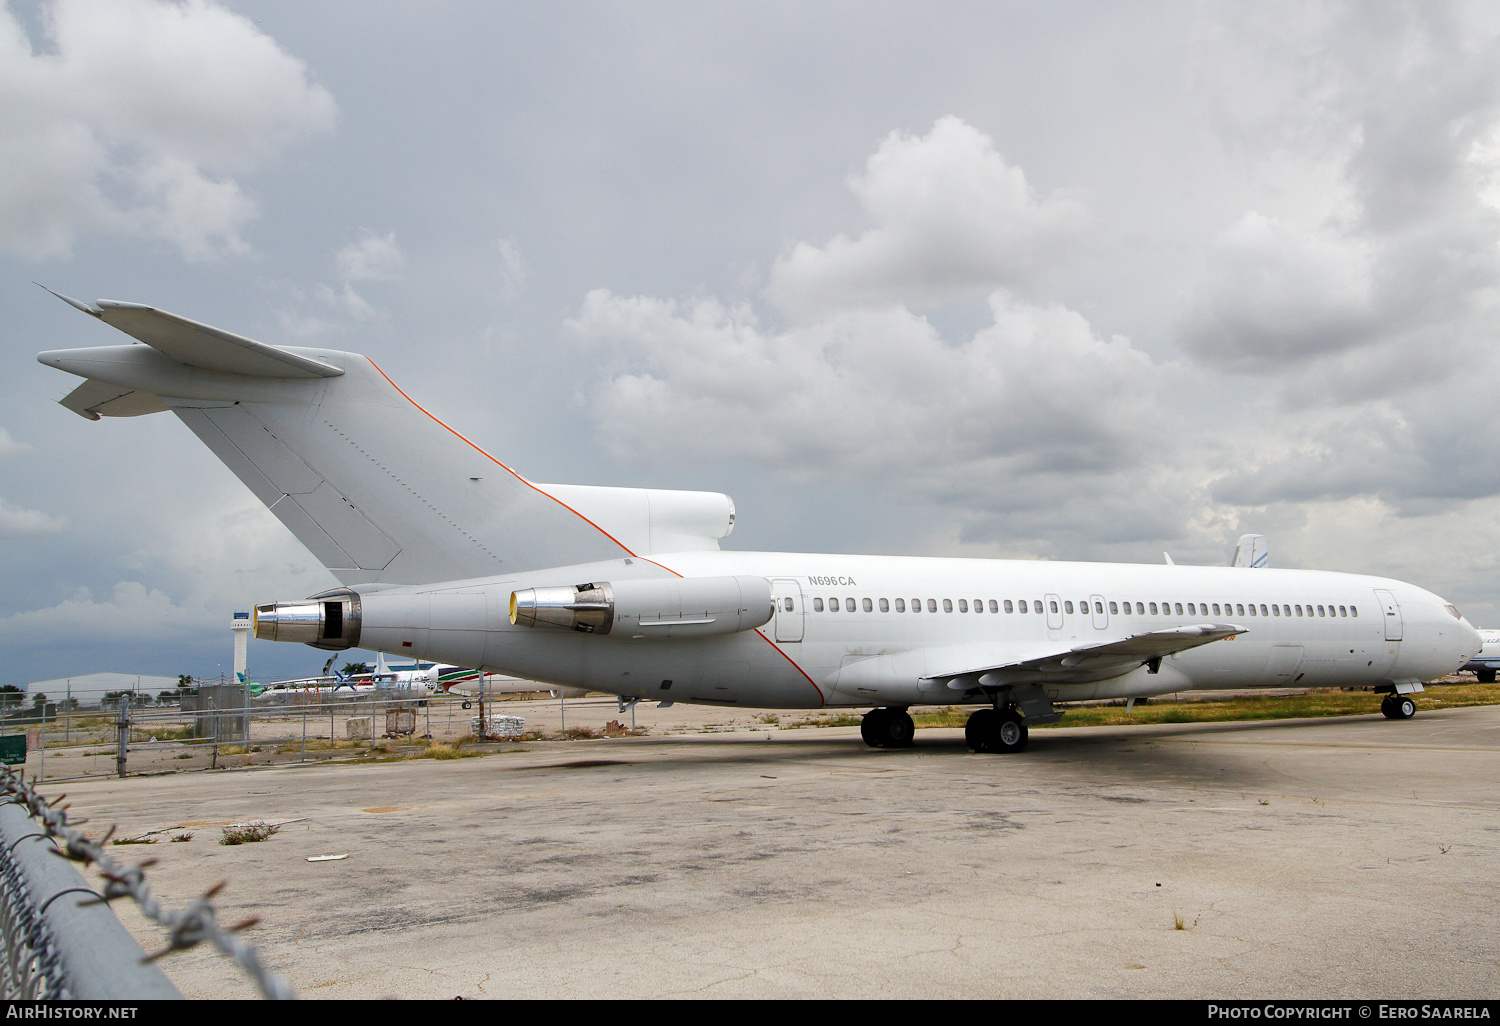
column 1353, row 610
column 947, row 605
column 901, row 605
column 995, row 606
column 867, row 605
column 932, row 605
column 787, row 605
column 1098, row 606
column 916, row 605
column 1053, row 604
column 1114, row 607
column 1252, row 609
column 1153, row 609
column 1009, row 608
column 848, row 605
column 833, row 605
column 1023, row 605
column 979, row 605
column 817, row 605
column 1036, row 605
column 1320, row 610
column 1178, row 608
column 1216, row 609
column 1067, row 607
column 1343, row 611
column 1275, row 609
column 1239, row 609
column 885, row 605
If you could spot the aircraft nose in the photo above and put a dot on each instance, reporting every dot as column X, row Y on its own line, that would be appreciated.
column 1470, row 639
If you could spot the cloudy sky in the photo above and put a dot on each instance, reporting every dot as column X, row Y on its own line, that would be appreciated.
column 1064, row 281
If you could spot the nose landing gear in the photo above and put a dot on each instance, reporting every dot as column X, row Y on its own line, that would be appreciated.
column 1000, row 731
column 887, row 728
column 1398, row 707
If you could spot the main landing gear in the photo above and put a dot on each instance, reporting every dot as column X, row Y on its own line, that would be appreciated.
column 887, row 728
column 1398, row 707
column 996, row 730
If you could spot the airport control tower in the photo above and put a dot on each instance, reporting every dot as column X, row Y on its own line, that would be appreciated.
column 241, row 627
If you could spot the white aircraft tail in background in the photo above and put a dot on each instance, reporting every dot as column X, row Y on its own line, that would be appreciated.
column 1251, row 551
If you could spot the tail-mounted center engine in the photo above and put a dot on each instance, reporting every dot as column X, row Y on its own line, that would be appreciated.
column 658, row 608
column 330, row 620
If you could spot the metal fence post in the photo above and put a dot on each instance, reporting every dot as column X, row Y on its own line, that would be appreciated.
column 124, row 735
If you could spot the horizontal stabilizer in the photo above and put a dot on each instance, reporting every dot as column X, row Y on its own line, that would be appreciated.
column 95, row 399
column 1086, row 663
column 199, row 345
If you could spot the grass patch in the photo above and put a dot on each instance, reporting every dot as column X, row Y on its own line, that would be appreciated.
column 140, row 839
column 180, row 838
column 839, row 720
column 440, row 750
column 248, row 833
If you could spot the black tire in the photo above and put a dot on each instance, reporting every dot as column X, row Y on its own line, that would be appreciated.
column 980, row 731
column 898, row 730
column 872, row 728
column 1485, row 676
column 1406, row 707
column 1011, row 734
column 1388, row 708
column 468, row 705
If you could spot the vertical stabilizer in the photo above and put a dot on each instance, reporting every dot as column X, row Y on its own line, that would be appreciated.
column 1251, row 551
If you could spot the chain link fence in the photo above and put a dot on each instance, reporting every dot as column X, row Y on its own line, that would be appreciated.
column 61, row 940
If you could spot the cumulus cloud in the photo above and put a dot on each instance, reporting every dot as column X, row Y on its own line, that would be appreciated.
column 371, row 258
column 1278, row 293
column 17, row 522
column 1005, row 423
column 137, row 118
column 951, row 216
column 132, row 611
column 1393, row 284
column 9, row 446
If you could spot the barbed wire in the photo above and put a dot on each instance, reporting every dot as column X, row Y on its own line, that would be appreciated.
column 185, row 929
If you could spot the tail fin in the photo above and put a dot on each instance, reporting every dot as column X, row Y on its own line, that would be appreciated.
column 1251, row 551
column 376, row 487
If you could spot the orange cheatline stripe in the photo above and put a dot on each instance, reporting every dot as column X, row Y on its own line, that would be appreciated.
column 821, row 697
column 502, row 466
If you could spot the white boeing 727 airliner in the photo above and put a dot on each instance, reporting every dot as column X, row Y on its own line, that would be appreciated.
column 447, row 554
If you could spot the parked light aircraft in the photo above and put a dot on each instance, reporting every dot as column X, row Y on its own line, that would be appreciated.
column 445, row 553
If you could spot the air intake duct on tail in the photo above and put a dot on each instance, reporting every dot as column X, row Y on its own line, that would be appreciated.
column 672, row 607
column 330, row 620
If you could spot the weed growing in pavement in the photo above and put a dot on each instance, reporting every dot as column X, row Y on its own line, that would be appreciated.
column 248, row 833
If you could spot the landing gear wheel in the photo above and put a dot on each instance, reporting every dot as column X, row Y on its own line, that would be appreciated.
column 468, row 705
column 899, row 729
column 1398, row 707
column 980, row 729
column 1012, row 733
column 998, row 732
column 887, row 728
column 1485, row 676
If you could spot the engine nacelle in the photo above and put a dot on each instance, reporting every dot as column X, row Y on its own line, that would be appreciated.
column 330, row 620
column 663, row 607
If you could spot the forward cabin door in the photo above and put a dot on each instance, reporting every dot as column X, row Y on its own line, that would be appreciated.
column 789, row 612
column 1390, row 610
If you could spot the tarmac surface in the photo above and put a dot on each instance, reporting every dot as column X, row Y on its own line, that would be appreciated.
column 1352, row 857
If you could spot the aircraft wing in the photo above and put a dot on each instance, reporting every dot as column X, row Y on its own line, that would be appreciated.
column 1080, row 664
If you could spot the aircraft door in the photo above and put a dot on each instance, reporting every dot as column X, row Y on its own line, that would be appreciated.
column 1054, row 613
column 1390, row 611
column 789, row 611
column 1101, row 612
